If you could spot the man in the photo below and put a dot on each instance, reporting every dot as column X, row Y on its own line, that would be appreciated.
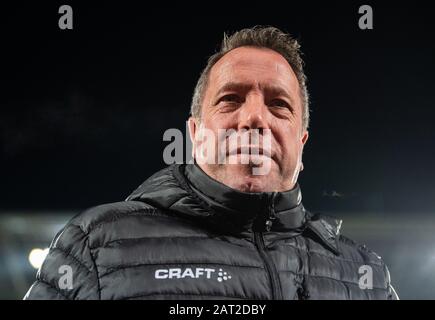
column 216, row 229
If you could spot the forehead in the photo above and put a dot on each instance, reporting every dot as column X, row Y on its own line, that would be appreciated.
column 254, row 65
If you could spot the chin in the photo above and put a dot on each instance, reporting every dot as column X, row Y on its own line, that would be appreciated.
column 240, row 177
column 254, row 184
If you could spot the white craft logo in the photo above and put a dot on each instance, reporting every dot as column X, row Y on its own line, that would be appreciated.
column 193, row 273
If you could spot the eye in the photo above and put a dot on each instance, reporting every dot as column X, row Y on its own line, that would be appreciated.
column 233, row 98
column 279, row 103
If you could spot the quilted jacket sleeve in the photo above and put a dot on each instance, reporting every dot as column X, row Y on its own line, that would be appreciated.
column 69, row 271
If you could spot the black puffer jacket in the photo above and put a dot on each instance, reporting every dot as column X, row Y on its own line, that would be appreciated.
column 183, row 235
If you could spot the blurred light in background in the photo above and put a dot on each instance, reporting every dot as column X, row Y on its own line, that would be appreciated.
column 24, row 235
column 37, row 257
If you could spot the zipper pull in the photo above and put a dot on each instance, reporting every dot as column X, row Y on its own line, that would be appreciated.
column 271, row 209
column 268, row 225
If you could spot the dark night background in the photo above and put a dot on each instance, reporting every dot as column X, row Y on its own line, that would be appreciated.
column 83, row 113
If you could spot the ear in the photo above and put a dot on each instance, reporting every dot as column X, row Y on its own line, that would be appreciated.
column 193, row 127
column 304, row 137
column 304, row 141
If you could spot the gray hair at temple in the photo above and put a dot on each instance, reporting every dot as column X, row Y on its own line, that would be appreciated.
column 263, row 37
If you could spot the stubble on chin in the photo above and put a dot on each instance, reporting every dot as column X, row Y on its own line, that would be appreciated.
column 239, row 177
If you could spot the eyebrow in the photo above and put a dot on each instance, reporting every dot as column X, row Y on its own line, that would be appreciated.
column 244, row 87
column 234, row 86
column 278, row 91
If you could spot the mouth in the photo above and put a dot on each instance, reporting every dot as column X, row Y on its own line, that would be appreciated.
column 251, row 151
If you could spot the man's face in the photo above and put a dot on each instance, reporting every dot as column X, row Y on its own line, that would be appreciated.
column 254, row 89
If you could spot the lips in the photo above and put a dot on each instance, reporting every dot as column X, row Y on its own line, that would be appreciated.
column 250, row 150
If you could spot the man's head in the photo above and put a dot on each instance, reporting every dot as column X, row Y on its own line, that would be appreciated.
column 254, row 83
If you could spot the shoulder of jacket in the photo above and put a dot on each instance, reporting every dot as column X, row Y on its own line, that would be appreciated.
column 91, row 218
column 367, row 258
column 329, row 228
column 366, row 253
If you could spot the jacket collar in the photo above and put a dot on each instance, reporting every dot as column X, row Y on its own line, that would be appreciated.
column 260, row 211
column 186, row 190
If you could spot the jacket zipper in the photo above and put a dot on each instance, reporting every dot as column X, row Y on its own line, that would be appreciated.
column 259, row 241
column 271, row 212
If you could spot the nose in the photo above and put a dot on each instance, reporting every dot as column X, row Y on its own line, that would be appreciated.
column 254, row 114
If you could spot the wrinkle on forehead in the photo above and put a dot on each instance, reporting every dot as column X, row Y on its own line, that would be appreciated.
column 254, row 64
